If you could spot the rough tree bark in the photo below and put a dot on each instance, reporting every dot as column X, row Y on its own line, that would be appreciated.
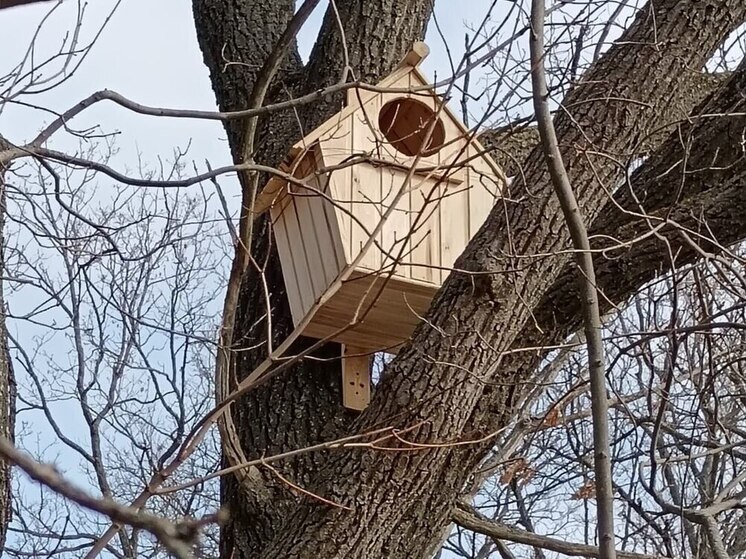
column 711, row 201
column 402, row 501
column 305, row 407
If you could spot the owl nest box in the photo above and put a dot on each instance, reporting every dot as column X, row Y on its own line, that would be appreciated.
column 383, row 198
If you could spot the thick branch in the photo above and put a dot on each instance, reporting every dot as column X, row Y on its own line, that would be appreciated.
column 697, row 213
column 466, row 517
column 511, row 145
column 236, row 38
column 703, row 200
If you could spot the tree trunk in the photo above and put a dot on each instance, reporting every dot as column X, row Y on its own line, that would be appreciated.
column 401, row 501
column 303, row 407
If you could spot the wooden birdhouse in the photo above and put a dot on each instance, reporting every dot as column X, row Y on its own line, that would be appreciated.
column 376, row 205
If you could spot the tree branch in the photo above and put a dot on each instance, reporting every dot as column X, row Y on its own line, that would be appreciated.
column 587, row 284
column 467, row 517
column 13, row 3
column 177, row 538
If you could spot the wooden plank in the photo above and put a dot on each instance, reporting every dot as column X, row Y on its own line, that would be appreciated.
column 287, row 263
column 406, row 285
column 391, row 303
column 376, row 326
column 362, row 337
column 416, row 55
column 331, row 256
column 300, row 260
column 425, row 237
column 395, row 232
column 364, row 334
column 366, row 208
column 357, row 339
column 420, row 237
column 355, row 378
column 420, row 241
column 453, row 231
column 396, row 297
column 309, row 237
column 366, row 194
column 339, row 187
column 390, row 322
column 325, row 218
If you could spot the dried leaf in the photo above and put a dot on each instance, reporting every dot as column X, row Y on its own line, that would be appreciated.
column 587, row 491
column 518, row 470
column 553, row 417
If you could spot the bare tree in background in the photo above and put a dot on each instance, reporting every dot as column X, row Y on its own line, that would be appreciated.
column 483, row 418
column 112, row 309
column 122, row 346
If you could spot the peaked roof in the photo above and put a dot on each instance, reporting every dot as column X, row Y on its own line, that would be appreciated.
column 356, row 97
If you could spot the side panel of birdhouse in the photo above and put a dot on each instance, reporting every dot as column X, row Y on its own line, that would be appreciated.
column 284, row 228
column 307, row 238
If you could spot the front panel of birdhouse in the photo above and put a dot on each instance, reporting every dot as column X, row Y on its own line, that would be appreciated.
column 333, row 228
column 440, row 211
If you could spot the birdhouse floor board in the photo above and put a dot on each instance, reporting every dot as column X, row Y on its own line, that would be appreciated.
column 395, row 313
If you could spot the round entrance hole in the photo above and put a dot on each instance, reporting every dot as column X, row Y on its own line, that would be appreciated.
column 405, row 123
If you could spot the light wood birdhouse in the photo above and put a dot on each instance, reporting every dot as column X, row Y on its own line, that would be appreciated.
column 375, row 206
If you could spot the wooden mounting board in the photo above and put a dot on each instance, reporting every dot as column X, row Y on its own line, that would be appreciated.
column 355, row 378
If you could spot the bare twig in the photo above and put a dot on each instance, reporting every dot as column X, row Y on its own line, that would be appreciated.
column 587, row 279
column 178, row 538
